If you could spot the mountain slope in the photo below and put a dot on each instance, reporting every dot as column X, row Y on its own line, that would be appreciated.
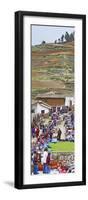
column 53, row 68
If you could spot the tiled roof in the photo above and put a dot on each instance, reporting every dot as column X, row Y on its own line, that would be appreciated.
column 53, row 95
column 41, row 102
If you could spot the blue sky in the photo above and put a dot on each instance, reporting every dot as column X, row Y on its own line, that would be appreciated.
column 48, row 33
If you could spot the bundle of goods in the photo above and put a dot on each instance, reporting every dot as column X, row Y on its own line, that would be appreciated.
column 53, row 164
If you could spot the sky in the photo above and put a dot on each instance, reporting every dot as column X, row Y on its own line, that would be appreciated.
column 48, row 33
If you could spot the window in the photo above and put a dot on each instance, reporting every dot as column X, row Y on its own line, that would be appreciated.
column 42, row 111
column 33, row 111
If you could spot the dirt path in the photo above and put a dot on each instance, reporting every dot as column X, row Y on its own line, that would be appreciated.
column 61, row 126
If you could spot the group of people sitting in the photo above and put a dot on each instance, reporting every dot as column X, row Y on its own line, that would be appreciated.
column 42, row 135
column 46, row 164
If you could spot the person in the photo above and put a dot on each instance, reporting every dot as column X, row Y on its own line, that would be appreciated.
column 72, row 118
column 43, row 129
column 51, row 134
column 33, row 131
column 48, row 158
column 35, row 162
column 59, row 134
column 54, row 121
column 62, row 168
column 45, row 154
column 48, row 162
column 37, row 132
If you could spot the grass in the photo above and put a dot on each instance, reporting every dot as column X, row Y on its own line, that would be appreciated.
column 39, row 90
column 62, row 146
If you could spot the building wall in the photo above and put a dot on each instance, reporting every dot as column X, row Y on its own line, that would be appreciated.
column 34, row 107
column 54, row 101
column 38, row 108
column 69, row 101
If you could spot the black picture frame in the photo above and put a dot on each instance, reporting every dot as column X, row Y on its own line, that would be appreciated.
column 19, row 15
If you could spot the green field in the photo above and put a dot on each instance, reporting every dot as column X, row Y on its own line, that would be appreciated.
column 62, row 147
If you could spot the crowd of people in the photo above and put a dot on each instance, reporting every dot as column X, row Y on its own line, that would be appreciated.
column 69, row 126
column 45, row 129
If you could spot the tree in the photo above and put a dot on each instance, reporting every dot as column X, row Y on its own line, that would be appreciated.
column 43, row 42
column 62, row 38
column 67, row 37
column 59, row 40
column 55, row 41
column 72, row 36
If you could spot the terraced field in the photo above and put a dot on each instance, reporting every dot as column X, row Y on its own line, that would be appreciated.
column 53, row 68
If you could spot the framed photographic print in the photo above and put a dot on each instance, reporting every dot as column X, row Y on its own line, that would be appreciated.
column 50, row 99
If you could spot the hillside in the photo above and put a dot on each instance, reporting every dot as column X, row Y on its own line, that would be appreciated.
column 53, row 68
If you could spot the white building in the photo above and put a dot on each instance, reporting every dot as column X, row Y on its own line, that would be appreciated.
column 40, row 107
column 69, row 101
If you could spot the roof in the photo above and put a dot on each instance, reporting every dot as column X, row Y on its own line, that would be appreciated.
column 52, row 95
column 42, row 103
